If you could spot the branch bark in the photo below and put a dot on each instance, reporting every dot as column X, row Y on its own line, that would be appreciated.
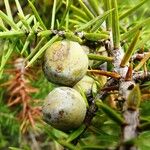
column 131, row 117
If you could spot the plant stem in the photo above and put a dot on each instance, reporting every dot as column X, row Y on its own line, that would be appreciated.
column 87, row 11
column 107, row 4
column 92, row 56
column 8, row 10
column 115, row 25
column 53, row 15
column 42, row 50
column 37, row 15
column 130, row 50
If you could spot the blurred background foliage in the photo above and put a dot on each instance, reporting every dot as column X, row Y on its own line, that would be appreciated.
column 103, row 132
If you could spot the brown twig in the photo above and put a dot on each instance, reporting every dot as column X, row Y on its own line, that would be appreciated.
column 106, row 73
column 19, row 94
